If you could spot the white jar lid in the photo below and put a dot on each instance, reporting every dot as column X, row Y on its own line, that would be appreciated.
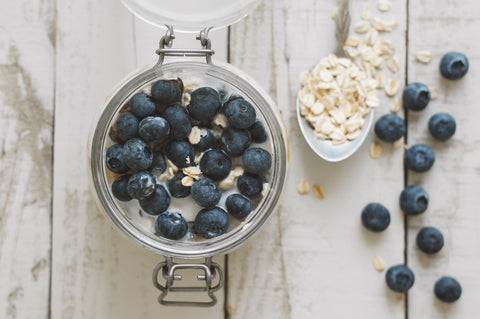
column 191, row 16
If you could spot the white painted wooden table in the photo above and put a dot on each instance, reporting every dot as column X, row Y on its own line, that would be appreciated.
column 59, row 256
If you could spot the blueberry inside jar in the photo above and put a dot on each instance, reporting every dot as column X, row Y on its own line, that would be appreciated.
column 198, row 147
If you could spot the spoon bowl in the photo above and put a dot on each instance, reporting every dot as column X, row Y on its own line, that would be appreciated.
column 324, row 148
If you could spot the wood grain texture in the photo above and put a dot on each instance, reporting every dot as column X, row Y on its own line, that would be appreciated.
column 314, row 258
column 26, row 116
column 454, row 180
column 97, row 272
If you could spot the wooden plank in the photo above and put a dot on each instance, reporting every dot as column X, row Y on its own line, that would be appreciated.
column 97, row 273
column 313, row 256
column 453, row 182
column 27, row 43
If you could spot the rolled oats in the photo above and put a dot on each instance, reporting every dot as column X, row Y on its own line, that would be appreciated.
column 433, row 92
column 195, row 135
column 352, row 41
column 366, row 12
column 393, row 64
column 303, row 186
column 220, row 121
column 362, row 27
column 395, row 105
column 424, row 56
column 375, row 150
column 378, row 263
column 391, row 88
column 319, row 191
column 193, row 171
column 187, row 181
column 172, row 166
column 383, row 5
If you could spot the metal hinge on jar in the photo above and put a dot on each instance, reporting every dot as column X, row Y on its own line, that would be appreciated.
column 165, row 46
column 212, row 274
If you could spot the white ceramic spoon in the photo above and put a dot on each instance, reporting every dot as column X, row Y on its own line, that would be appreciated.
column 325, row 149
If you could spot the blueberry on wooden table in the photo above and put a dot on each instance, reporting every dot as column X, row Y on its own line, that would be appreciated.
column 177, row 118
column 154, row 129
column 119, row 188
column 399, row 278
column 167, row 92
column 238, row 206
column 137, row 155
column 205, row 192
column 442, row 126
column 240, row 113
column 235, row 141
column 175, row 186
column 114, row 159
column 416, row 96
column 419, row 158
column 375, row 217
column 204, row 104
column 430, row 240
column 126, row 126
column 211, row 222
column 390, row 127
column 156, row 203
column 258, row 132
column 215, row 164
column 141, row 105
column 414, row 200
column 141, row 185
column 256, row 160
column 171, row 225
column 180, row 153
column 448, row 289
column 250, row 185
column 454, row 65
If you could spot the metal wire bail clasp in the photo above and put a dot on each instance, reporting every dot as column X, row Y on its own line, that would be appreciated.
column 212, row 274
column 167, row 40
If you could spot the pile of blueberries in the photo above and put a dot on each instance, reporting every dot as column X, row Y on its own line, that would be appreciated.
column 418, row 158
column 152, row 129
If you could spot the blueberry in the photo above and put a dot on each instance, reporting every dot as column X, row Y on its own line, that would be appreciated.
column 215, row 164
column 159, row 164
column 171, row 225
column 204, row 104
column 419, row 158
column 126, row 126
column 250, row 185
column 137, row 155
column 114, row 159
column 375, row 217
column 119, row 188
column 399, row 278
column 430, row 240
column 232, row 97
column 256, row 160
column 258, row 132
column 180, row 153
column 448, row 289
column 167, row 92
column 442, row 126
column 414, row 200
column 156, row 203
column 238, row 206
column 141, row 105
column 207, row 140
column 235, row 141
column 390, row 127
column 141, row 185
column 454, row 65
column 205, row 192
column 240, row 113
column 211, row 222
column 176, row 188
column 154, row 129
column 177, row 117
column 416, row 96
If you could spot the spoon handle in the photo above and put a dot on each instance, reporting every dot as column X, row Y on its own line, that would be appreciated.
column 342, row 26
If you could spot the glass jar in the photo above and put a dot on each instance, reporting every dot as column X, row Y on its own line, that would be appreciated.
column 126, row 217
